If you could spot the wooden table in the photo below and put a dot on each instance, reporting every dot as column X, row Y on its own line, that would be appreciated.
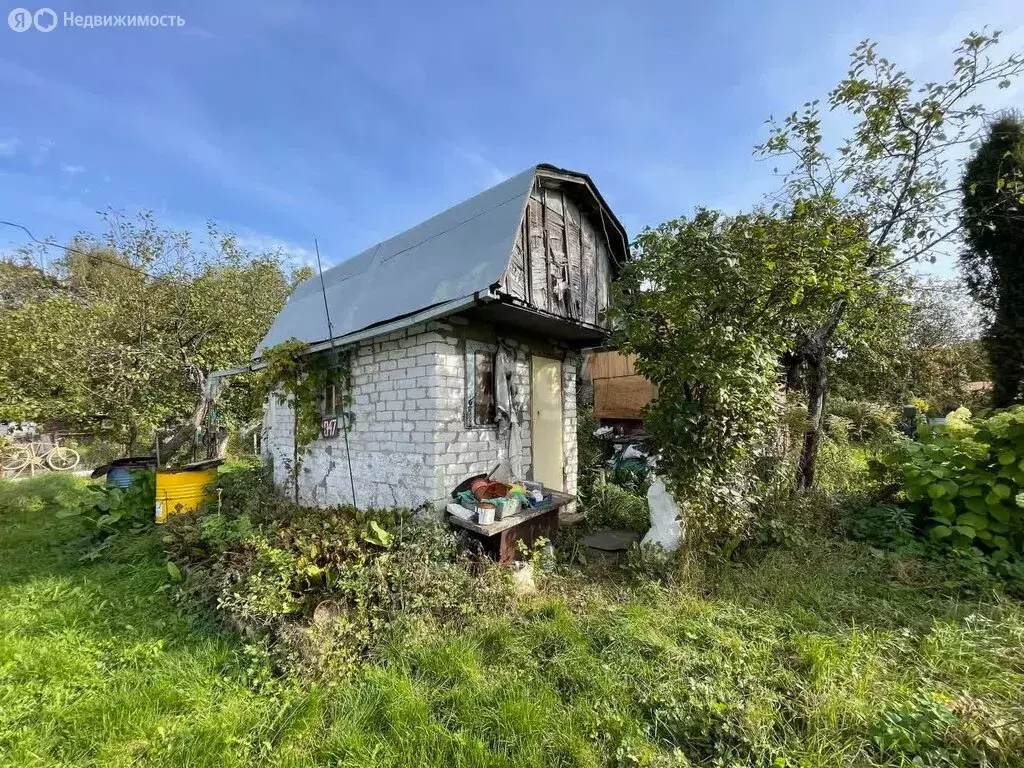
column 499, row 539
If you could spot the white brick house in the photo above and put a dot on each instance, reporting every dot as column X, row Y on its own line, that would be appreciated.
column 523, row 268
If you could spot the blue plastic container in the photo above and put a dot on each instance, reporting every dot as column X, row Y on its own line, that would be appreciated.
column 122, row 477
column 121, row 472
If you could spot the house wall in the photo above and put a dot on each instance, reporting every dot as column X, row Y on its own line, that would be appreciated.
column 409, row 442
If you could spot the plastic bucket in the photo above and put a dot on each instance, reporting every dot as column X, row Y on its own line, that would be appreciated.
column 485, row 515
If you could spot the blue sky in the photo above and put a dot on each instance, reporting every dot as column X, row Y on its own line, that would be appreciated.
column 349, row 122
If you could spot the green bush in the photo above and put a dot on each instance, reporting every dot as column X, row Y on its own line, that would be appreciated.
column 328, row 588
column 652, row 562
column 111, row 510
column 853, row 432
column 884, row 527
column 842, row 467
column 589, row 451
column 867, row 422
column 965, row 481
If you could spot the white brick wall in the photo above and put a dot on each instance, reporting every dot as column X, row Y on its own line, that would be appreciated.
column 410, row 445
column 569, row 463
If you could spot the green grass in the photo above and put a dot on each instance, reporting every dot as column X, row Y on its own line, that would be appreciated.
column 828, row 656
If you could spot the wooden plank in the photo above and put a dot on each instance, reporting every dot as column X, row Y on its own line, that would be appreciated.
column 622, row 397
column 574, row 258
column 589, row 258
column 538, row 260
column 543, row 526
column 554, row 228
column 610, row 365
column 524, row 233
column 565, row 266
column 558, row 500
column 501, row 545
column 515, row 275
column 604, row 275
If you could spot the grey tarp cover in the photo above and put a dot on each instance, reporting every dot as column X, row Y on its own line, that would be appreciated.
column 453, row 255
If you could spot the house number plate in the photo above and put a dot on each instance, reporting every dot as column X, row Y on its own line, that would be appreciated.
column 329, row 427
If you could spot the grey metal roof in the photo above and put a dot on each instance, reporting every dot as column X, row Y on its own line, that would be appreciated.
column 450, row 256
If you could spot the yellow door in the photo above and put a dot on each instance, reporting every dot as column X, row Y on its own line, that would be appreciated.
column 546, row 422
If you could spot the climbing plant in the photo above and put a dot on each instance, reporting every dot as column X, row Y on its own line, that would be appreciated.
column 296, row 378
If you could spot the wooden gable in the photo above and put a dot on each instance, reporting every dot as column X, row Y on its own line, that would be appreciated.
column 562, row 260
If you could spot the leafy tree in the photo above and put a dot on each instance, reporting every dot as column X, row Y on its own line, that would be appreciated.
column 892, row 170
column 709, row 305
column 21, row 281
column 944, row 354
column 130, row 326
column 922, row 345
column 993, row 196
column 873, row 362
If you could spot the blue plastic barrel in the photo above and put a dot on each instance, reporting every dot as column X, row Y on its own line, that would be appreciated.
column 121, row 472
column 122, row 476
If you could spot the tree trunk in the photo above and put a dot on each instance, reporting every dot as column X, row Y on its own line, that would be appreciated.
column 791, row 367
column 132, row 439
column 812, row 353
column 221, row 451
column 184, row 434
column 817, row 394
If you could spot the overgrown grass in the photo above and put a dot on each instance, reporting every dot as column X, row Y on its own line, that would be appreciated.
column 831, row 654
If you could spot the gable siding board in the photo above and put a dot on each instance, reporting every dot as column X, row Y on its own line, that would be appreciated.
column 515, row 276
column 557, row 267
column 538, row 257
column 574, row 259
column 589, row 271
column 603, row 279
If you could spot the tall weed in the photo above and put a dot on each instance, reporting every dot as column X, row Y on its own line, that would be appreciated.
column 328, row 588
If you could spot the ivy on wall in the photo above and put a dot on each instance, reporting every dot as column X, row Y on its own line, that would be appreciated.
column 298, row 379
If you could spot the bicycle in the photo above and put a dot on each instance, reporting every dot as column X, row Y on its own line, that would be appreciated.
column 40, row 456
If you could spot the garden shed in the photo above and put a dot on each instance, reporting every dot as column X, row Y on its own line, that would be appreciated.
column 462, row 337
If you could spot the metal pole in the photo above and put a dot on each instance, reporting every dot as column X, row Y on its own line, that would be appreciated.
column 334, row 355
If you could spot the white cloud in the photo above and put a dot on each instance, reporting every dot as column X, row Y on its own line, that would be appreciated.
column 8, row 147
column 72, row 169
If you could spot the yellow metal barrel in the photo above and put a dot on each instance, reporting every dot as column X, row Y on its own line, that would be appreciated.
column 185, row 489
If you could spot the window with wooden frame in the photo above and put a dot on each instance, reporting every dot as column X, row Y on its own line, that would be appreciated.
column 333, row 416
column 480, row 410
column 332, row 398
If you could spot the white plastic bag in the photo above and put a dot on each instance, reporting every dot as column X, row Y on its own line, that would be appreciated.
column 633, row 452
column 666, row 525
